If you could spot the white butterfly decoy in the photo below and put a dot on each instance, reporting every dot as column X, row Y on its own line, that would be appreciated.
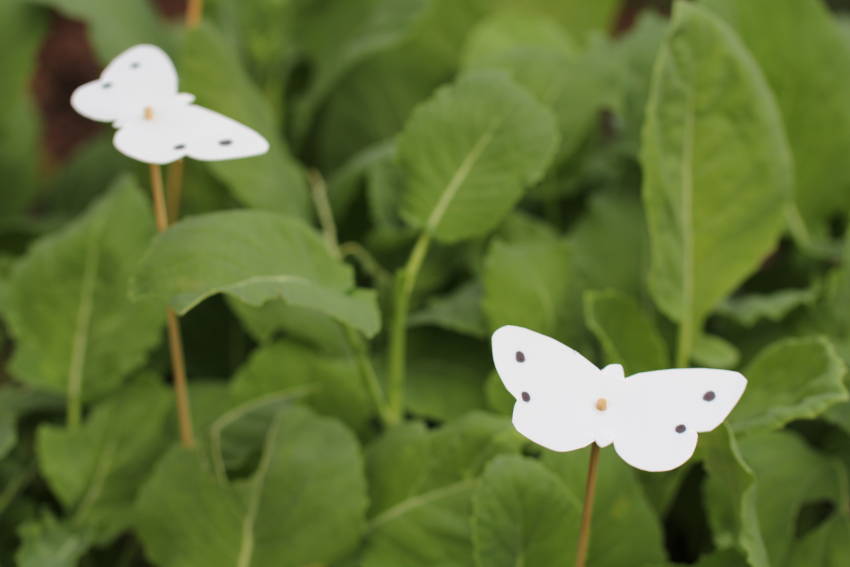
column 137, row 93
column 564, row 402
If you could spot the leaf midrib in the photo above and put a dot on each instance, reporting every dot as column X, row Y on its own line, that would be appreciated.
column 246, row 546
column 80, row 337
column 418, row 501
column 460, row 175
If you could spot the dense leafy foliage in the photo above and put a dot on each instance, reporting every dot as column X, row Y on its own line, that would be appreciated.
column 675, row 193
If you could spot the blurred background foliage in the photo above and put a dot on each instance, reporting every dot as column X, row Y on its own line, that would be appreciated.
column 651, row 191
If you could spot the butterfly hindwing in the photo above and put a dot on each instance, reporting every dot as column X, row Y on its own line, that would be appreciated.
column 141, row 76
column 660, row 413
column 554, row 387
column 186, row 130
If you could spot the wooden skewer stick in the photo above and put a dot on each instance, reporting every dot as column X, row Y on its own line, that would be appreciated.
column 175, row 342
column 587, row 512
column 194, row 11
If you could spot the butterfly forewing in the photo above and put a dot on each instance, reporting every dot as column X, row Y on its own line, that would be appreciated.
column 139, row 77
column 554, row 386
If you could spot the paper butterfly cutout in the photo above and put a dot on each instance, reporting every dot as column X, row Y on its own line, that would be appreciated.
column 564, row 402
column 137, row 93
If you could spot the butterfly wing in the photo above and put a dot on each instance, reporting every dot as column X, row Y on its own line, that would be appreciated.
column 139, row 77
column 662, row 411
column 188, row 130
column 555, row 388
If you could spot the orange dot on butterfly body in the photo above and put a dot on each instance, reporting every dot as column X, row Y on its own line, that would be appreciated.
column 602, row 404
column 148, row 113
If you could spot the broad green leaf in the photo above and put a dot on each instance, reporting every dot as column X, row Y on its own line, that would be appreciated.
column 21, row 31
column 374, row 99
column 791, row 379
column 254, row 256
column 627, row 335
column 49, row 541
column 276, row 318
column 397, row 465
column 709, row 176
column 532, row 284
column 714, row 351
column 210, row 69
column 750, row 309
column 808, row 84
column 338, row 36
column 828, row 545
column 468, row 154
column 445, row 374
column 625, row 529
column 17, row 402
column 113, row 26
column 333, row 383
column 723, row 559
column 425, row 519
column 96, row 469
column 523, row 515
column 805, row 476
column 76, row 331
column 458, row 311
column 610, row 244
column 538, row 54
column 580, row 18
column 305, row 503
column 730, row 494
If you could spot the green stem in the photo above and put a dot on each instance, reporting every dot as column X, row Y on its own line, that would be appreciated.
column 353, row 338
column 404, row 284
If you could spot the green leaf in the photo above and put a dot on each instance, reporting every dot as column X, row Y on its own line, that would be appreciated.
column 627, row 335
column 113, row 26
column 828, row 545
column 750, row 309
column 523, row 515
column 305, row 503
column 445, row 374
column 76, row 331
column 17, row 402
column 253, row 256
column 334, row 383
column 805, row 476
column 538, row 54
column 709, row 177
column 48, row 541
column 339, row 36
column 21, row 29
column 425, row 519
column 625, row 529
column 210, row 69
column 610, row 247
column 730, row 494
column 458, row 311
column 715, row 352
column 791, row 379
column 469, row 152
column 95, row 470
column 397, row 465
column 276, row 318
column 809, row 92
column 532, row 284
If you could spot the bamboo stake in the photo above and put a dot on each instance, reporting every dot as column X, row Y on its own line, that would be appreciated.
column 194, row 12
column 175, row 342
column 587, row 512
column 174, row 190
